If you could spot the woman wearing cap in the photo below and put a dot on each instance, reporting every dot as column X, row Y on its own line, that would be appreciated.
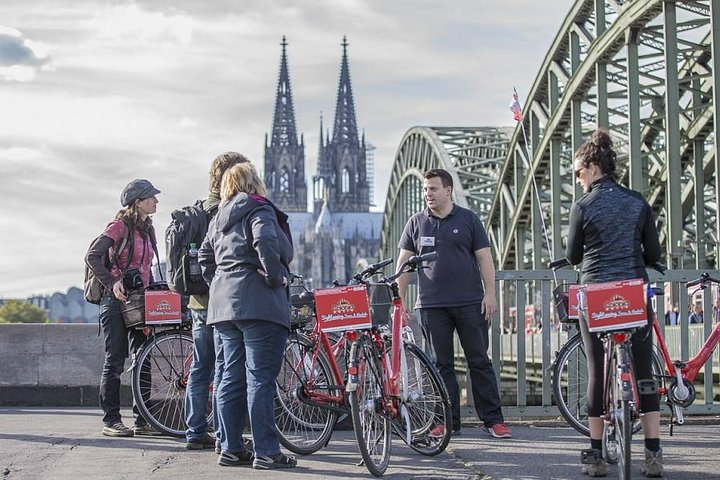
column 133, row 235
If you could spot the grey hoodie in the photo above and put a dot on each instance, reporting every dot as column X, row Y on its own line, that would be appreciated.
column 248, row 233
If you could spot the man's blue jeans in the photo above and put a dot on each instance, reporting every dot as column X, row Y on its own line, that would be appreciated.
column 201, row 374
column 261, row 346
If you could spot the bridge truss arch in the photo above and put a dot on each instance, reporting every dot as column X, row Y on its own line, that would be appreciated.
column 473, row 156
column 645, row 70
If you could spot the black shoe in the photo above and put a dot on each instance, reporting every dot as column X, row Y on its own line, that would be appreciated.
column 243, row 457
column 117, row 429
column 455, row 431
column 208, row 441
column 279, row 460
column 146, row 430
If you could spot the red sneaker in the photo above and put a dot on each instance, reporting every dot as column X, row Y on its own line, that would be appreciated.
column 437, row 432
column 500, row 430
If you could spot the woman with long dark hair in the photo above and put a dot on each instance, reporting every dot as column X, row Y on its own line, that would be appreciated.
column 613, row 233
column 128, row 241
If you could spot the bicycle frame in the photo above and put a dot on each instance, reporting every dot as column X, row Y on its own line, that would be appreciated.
column 391, row 372
column 322, row 339
column 688, row 370
column 681, row 392
column 620, row 344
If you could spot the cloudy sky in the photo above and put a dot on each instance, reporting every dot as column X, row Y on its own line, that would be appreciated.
column 96, row 93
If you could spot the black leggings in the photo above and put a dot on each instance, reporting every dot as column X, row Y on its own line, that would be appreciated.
column 642, row 347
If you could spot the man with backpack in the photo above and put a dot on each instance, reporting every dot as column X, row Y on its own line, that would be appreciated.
column 188, row 226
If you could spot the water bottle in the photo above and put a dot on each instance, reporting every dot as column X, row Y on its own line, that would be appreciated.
column 194, row 265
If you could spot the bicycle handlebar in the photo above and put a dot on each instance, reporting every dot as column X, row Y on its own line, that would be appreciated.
column 559, row 263
column 417, row 260
column 372, row 270
column 702, row 281
column 563, row 262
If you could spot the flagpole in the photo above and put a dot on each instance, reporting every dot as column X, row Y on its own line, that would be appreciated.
column 531, row 168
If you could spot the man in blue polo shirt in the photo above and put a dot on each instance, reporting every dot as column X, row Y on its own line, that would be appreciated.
column 451, row 295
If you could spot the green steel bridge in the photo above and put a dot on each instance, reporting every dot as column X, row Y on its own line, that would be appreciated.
column 645, row 70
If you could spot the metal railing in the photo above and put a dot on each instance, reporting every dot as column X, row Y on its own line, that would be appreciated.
column 523, row 348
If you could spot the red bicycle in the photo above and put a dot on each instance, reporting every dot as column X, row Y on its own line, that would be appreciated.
column 676, row 382
column 384, row 387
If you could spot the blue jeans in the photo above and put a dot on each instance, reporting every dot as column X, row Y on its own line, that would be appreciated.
column 472, row 330
column 253, row 351
column 201, row 374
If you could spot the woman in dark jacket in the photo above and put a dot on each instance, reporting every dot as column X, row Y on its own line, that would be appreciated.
column 612, row 232
column 245, row 259
column 135, row 224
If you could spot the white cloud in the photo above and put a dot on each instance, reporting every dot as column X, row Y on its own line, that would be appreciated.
column 186, row 122
column 121, row 90
column 129, row 24
column 20, row 58
column 18, row 73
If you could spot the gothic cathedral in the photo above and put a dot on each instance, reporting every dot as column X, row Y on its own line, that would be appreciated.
column 341, row 232
column 285, row 157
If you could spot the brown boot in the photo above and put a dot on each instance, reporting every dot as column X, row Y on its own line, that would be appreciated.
column 653, row 466
column 593, row 463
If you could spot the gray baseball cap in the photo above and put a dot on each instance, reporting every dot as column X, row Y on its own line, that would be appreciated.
column 137, row 189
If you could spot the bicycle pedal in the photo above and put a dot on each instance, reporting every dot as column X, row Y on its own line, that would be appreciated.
column 590, row 456
column 647, row 387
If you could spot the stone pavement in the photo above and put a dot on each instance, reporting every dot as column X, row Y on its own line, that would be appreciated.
column 65, row 443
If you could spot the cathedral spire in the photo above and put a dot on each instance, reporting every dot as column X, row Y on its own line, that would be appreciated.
column 284, row 156
column 345, row 126
column 284, row 131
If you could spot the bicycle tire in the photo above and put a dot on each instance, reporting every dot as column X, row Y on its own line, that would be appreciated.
column 303, row 428
column 569, row 383
column 159, row 380
column 621, row 418
column 370, row 424
column 428, row 404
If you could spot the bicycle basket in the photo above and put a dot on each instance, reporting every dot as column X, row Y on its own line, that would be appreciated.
column 302, row 305
column 565, row 296
column 380, row 298
column 133, row 310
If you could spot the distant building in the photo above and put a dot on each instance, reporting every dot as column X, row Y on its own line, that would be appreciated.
column 69, row 307
column 341, row 231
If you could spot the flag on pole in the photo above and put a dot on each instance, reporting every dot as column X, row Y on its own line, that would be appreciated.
column 515, row 108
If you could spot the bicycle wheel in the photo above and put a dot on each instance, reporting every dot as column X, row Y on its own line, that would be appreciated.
column 159, row 380
column 620, row 427
column 371, row 425
column 569, row 383
column 427, row 402
column 303, row 428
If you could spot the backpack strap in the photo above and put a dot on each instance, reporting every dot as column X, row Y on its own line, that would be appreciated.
column 123, row 243
column 153, row 241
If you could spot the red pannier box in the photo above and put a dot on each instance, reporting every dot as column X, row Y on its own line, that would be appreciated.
column 162, row 307
column 616, row 305
column 343, row 308
column 573, row 301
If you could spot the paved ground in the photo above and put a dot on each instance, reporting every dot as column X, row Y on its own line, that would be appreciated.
column 65, row 443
